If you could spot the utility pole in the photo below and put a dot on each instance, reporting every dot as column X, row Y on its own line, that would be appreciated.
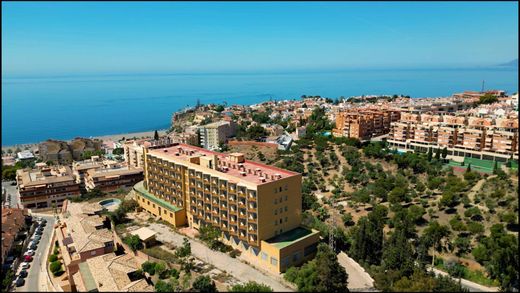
column 332, row 242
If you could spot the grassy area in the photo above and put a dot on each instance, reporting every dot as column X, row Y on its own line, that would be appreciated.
column 160, row 253
column 470, row 275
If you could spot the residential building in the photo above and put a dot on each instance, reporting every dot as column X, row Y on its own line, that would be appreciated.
column 257, row 207
column 185, row 137
column 110, row 273
column 44, row 186
column 470, row 134
column 25, row 155
column 364, row 124
column 82, row 234
column 213, row 134
column 112, row 178
column 133, row 152
column 80, row 168
column 14, row 222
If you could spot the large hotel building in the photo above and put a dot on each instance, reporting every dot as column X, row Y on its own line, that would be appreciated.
column 257, row 207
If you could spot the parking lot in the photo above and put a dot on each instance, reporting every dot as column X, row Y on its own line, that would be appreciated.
column 11, row 190
column 36, row 273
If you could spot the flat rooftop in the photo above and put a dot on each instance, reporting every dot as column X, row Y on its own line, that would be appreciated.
column 247, row 170
column 290, row 237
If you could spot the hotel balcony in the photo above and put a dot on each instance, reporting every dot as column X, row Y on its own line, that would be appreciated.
column 233, row 219
column 224, row 225
column 232, row 198
column 215, row 211
column 242, row 223
column 252, row 218
column 241, row 202
column 252, row 228
column 251, row 207
column 233, row 210
column 253, row 238
column 242, row 234
column 233, row 230
column 242, row 213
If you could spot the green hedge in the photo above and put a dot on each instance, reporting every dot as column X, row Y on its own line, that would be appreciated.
column 53, row 258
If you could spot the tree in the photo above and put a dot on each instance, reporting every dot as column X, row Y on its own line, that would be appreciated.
column 430, row 154
column 250, row 286
column 398, row 253
column 444, row 152
column 134, row 242
column 204, row 284
column 438, row 154
column 118, row 151
column 219, row 108
column 433, row 235
column 469, row 168
column 149, row 267
column 260, row 156
column 184, row 250
column 488, row 99
column 156, row 135
column 162, row 286
column 495, row 168
column 322, row 274
column 367, row 238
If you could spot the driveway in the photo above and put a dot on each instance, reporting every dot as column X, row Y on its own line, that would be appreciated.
column 222, row 261
column 358, row 279
column 36, row 279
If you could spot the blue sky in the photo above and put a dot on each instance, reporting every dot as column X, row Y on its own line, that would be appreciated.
column 118, row 37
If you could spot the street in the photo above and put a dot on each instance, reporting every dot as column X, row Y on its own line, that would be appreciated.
column 36, row 277
column 471, row 286
column 11, row 190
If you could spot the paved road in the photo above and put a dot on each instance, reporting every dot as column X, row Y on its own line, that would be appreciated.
column 36, row 277
column 222, row 261
column 471, row 286
column 358, row 279
column 11, row 190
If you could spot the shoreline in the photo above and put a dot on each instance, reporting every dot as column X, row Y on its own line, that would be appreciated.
column 113, row 137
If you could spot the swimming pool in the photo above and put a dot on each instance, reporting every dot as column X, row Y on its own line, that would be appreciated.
column 110, row 202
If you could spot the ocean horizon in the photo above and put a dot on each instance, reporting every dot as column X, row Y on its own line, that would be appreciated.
column 63, row 107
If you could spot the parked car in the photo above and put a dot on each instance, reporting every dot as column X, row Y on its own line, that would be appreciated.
column 13, row 183
column 25, row 265
column 44, row 221
column 33, row 246
column 38, row 232
column 28, row 258
column 20, row 282
column 39, row 219
column 23, row 273
column 43, row 224
column 29, row 252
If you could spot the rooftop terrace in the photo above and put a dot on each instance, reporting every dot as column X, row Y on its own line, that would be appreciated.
column 290, row 237
column 230, row 164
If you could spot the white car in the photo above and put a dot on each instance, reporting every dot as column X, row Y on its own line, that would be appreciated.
column 25, row 265
column 29, row 252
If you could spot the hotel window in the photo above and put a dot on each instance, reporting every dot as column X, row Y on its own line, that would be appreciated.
column 281, row 210
column 263, row 255
column 286, row 208
column 286, row 198
column 280, row 221
column 276, row 212
column 275, row 201
column 280, row 189
column 275, row 223
column 286, row 219
column 276, row 190
column 286, row 187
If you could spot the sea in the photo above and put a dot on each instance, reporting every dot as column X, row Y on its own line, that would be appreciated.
column 35, row 108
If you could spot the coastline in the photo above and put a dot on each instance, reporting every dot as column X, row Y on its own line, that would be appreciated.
column 113, row 137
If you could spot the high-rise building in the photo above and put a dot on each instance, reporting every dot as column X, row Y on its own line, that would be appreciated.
column 257, row 207
column 211, row 135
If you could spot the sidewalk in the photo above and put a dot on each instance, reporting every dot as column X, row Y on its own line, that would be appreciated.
column 222, row 261
column 471, row 286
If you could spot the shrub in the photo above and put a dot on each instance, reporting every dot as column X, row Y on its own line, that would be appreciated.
column 251, row 286
column 148, row 267
column 55, row 266
column 53, row 258
column 56, row 250
column 58, row 273
column 204, row 284
column 235, row 253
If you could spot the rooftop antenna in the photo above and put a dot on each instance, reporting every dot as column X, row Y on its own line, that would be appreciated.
column 483, row 86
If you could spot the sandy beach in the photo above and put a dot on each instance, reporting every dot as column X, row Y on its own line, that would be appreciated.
column 113, row 137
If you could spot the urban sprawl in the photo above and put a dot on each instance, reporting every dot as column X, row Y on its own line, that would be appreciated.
column 272, row 190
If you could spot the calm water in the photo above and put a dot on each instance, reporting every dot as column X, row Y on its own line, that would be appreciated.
column 62, row 108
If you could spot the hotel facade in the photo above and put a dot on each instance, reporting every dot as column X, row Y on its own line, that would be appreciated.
column 257, row 207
